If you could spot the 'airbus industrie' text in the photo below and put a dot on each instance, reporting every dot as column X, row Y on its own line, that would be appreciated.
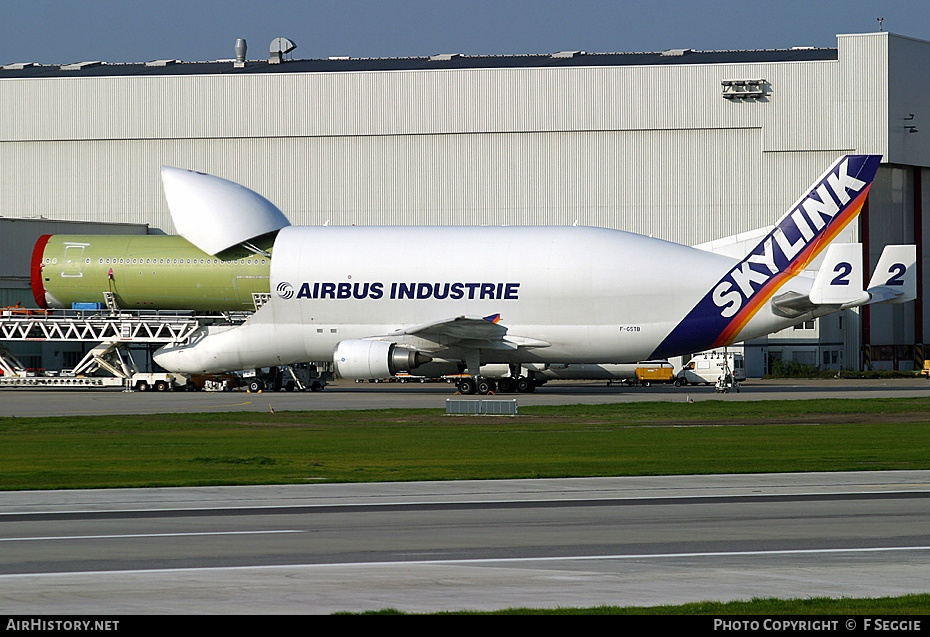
column 498, row 291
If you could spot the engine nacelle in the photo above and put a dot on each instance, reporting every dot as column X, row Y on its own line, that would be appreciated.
column 374, row 359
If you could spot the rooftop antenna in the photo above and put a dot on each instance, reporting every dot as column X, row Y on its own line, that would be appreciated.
column 880, row 20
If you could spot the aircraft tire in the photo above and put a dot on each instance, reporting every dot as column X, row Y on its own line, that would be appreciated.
column 525, row 385
column 485, row 387
column 467, row 386
column 506, row 386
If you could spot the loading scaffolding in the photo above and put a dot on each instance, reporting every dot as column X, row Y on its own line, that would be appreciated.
column 71, row 325
column 112, row 331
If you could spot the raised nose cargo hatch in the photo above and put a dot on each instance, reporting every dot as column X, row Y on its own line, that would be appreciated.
column 215, row 214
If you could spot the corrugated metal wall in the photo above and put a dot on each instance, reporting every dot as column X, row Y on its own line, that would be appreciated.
column 371, row 103
column 655, row 150
column 908, row 106
column 861, row 111
column 663, row 182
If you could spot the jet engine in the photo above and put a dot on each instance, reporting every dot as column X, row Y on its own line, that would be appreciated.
column 374, row 359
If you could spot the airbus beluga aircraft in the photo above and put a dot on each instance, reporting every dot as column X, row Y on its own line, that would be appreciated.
column 577, row 294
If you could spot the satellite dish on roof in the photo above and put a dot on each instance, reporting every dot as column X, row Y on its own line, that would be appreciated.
column 278, row 47
column 282, row 45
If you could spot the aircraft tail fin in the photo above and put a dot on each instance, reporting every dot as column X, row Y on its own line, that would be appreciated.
column 895, row 276
column 802, row 234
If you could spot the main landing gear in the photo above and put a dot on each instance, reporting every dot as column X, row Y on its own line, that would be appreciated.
column 484, row 386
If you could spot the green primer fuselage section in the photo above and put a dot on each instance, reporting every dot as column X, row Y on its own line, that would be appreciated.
column 152, row 272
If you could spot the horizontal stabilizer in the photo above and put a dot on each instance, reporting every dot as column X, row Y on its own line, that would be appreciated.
column 837, row 284
column 895, row 276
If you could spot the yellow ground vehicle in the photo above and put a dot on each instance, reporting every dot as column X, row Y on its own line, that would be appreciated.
column 655, row 372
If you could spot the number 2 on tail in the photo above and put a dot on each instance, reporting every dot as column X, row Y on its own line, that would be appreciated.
column 843, row 270
column 897, row 272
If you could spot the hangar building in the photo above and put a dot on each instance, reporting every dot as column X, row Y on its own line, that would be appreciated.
column 683, row 145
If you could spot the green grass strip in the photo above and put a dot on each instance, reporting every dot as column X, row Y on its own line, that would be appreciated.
column 400, row 445
column 883, row 607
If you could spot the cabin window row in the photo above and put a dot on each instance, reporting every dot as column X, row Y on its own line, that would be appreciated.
column 125, row 261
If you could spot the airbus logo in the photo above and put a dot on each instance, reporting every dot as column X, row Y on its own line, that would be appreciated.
column 285, row 290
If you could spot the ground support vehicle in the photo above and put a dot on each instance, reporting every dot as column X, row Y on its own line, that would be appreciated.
column 707, row 368
column 653, row 372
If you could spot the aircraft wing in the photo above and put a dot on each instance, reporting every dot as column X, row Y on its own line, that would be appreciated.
column 469, row 331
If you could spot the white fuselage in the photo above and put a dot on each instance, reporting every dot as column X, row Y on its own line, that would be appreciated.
column 588, row 295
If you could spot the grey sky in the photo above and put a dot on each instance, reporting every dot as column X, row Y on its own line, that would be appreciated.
column 61, row 31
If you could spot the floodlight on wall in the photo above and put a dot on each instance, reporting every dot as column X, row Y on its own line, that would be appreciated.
column 743, row 89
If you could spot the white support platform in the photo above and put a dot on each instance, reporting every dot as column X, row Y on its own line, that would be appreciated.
column 97, row 327
column 112, row 332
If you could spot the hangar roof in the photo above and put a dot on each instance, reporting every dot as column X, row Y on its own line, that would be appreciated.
column 436, row 62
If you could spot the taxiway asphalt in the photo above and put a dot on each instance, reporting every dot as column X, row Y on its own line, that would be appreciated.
column 479, row 545
column 349, row 395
